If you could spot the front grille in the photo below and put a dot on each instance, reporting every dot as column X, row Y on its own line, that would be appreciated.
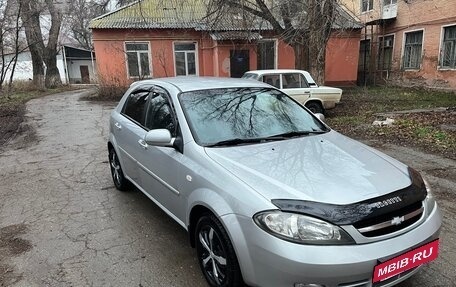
column 384, row 224
column 394, row 278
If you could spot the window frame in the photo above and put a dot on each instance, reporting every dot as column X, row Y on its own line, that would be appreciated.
column 149, row 55
column 442, row 40
column 276, row 48
column 404, row 39
column 369, row 6
column 301, row 76
column 382, row 68
column 186, row 51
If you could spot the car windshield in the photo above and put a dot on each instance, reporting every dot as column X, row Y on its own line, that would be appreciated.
column 250, row 76
column 232, row 116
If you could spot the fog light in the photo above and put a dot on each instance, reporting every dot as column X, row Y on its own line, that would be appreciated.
column 307, row 285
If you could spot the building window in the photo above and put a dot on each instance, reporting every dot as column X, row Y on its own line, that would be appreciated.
column 412, row 50
column 266, row 55
column 138, row 60
column 364, row 55
column 185, row 59
column 367, row 5
column 389, row 2
column 385, row 52
column 448, row 53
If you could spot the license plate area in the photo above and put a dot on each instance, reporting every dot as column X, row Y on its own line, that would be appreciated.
column 411, row 259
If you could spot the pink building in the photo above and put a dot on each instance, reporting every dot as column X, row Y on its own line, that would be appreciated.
column 152, row 38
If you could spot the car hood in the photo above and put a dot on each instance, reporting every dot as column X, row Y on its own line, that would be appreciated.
column 327, row 168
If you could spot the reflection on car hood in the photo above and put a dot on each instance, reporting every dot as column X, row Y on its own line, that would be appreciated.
column 329, row 168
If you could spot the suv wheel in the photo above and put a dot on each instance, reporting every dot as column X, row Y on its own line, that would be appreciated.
column 215, row 252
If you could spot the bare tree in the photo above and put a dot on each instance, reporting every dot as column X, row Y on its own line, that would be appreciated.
column 41, row 53
column 82, row 12
column 10, row 44
column 305, row 25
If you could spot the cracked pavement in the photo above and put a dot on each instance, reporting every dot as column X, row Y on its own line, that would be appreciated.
column 74, row 228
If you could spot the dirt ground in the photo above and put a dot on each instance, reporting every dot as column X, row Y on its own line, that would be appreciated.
column 62, row 223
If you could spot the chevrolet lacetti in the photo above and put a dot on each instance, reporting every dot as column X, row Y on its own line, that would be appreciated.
column 269, row 194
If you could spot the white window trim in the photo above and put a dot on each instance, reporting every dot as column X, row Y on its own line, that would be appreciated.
column 394, row 46
column 442, row 35
column 403, row 50
column 276, row 48
column 196, row 56
column 369, row 8
column 149, row 51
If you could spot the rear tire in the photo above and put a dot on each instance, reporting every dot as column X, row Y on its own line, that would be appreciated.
column 117, row 174
column 315, row 107
column 216, row 256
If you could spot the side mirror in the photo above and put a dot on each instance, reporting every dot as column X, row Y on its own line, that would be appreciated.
column 159, row 137
column 321, row 117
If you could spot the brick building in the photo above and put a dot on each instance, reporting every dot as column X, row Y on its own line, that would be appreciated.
column 153, row 38
column 407, row 42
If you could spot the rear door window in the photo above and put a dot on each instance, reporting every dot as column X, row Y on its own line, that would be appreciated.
column 294, row 81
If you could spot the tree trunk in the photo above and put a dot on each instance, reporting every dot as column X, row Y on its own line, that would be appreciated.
column 50, row 52
column 52, row 79
column 31, row 19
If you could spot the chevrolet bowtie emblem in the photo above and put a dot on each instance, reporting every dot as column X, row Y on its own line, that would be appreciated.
column 397, row 220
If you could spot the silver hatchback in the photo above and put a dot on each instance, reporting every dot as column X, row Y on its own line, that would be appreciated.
column 269, row 194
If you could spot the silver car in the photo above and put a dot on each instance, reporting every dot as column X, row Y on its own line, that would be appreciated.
column 269, row 194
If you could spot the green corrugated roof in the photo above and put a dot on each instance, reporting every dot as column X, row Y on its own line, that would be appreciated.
column 159, row 14
column 149, row 14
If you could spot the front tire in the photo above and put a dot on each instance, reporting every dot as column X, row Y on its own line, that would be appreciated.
column 118, row 177
column 315, row 107
column 216, row 255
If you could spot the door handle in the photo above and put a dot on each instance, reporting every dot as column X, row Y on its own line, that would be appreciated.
column 142, row 143
column 118, row 126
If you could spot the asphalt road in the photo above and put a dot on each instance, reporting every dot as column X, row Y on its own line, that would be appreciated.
column 62, row 223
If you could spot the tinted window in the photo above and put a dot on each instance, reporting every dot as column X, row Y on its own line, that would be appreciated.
column 244, row 113
column 159, row 113
column 135, row 106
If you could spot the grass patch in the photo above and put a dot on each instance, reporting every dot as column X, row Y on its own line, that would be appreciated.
column 361, row 106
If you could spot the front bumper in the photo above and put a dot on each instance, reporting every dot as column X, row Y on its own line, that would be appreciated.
column 266, row 260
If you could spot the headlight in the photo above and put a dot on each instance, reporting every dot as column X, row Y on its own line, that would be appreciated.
column 302, row 229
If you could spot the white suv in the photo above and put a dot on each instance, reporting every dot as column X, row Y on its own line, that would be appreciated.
column 300, row 86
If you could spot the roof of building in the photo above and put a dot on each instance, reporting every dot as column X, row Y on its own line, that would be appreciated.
column 192, row 14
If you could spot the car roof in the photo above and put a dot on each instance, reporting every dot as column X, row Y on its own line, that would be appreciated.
column 194, row 83
column 272, row 71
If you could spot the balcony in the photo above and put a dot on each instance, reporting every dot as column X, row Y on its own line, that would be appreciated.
column 389, row 11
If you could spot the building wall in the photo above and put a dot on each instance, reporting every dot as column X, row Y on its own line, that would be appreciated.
column 342, row 53
column 24, row 68
column 213, row 56
column 428, row 16
column 74, row 70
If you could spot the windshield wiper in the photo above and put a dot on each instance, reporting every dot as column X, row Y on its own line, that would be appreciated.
column 238, row 141
column 298, row 133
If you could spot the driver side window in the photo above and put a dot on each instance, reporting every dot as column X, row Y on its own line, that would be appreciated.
column 159, row 113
